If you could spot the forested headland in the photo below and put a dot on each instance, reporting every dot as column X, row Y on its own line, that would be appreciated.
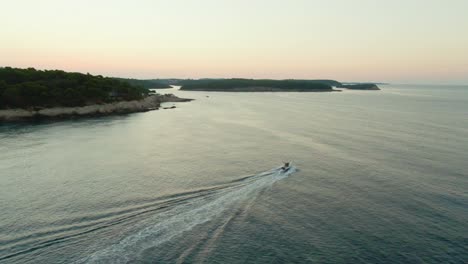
column 26, row 88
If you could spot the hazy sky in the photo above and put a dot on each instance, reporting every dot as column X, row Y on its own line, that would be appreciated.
column 405, row 41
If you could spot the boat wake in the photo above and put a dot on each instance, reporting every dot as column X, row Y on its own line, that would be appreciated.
column 192, row 209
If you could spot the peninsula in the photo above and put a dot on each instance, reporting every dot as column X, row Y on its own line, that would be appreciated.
column 30, row 93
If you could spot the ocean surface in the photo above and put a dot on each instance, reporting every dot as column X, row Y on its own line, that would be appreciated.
column 378, row 177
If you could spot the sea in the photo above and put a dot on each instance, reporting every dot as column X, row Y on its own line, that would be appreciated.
column 376, row 177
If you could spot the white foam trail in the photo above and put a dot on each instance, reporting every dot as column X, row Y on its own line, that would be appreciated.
column 184, row 217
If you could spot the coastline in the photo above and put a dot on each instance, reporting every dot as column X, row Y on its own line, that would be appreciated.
column 152, row 102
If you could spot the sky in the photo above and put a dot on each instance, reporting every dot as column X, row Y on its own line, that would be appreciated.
column 397, row 41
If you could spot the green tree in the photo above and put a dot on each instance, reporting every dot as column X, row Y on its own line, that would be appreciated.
column 32, row 88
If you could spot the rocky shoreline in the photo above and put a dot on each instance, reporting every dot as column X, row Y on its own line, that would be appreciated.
column 152, row 102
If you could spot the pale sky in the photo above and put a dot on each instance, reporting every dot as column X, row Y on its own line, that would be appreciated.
column 399, row 41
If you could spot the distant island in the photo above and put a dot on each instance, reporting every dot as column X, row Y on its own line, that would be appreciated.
column 265, row 85
column 251, row 85
column 30, row 93
column 360, row 86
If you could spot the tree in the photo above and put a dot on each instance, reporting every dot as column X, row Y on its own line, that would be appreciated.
column 33, row 88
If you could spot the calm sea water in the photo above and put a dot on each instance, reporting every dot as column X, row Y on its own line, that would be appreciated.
column 380, row 177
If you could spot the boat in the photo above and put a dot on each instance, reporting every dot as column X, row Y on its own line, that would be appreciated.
column 286, row 167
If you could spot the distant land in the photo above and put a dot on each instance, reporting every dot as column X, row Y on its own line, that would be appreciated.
column 265, row 85
column 150, row 84
column 250, row 85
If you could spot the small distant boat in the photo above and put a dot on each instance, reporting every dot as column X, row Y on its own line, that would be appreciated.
column 286, row 167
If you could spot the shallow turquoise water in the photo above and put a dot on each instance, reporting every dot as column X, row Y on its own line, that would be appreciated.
column 382, row 177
